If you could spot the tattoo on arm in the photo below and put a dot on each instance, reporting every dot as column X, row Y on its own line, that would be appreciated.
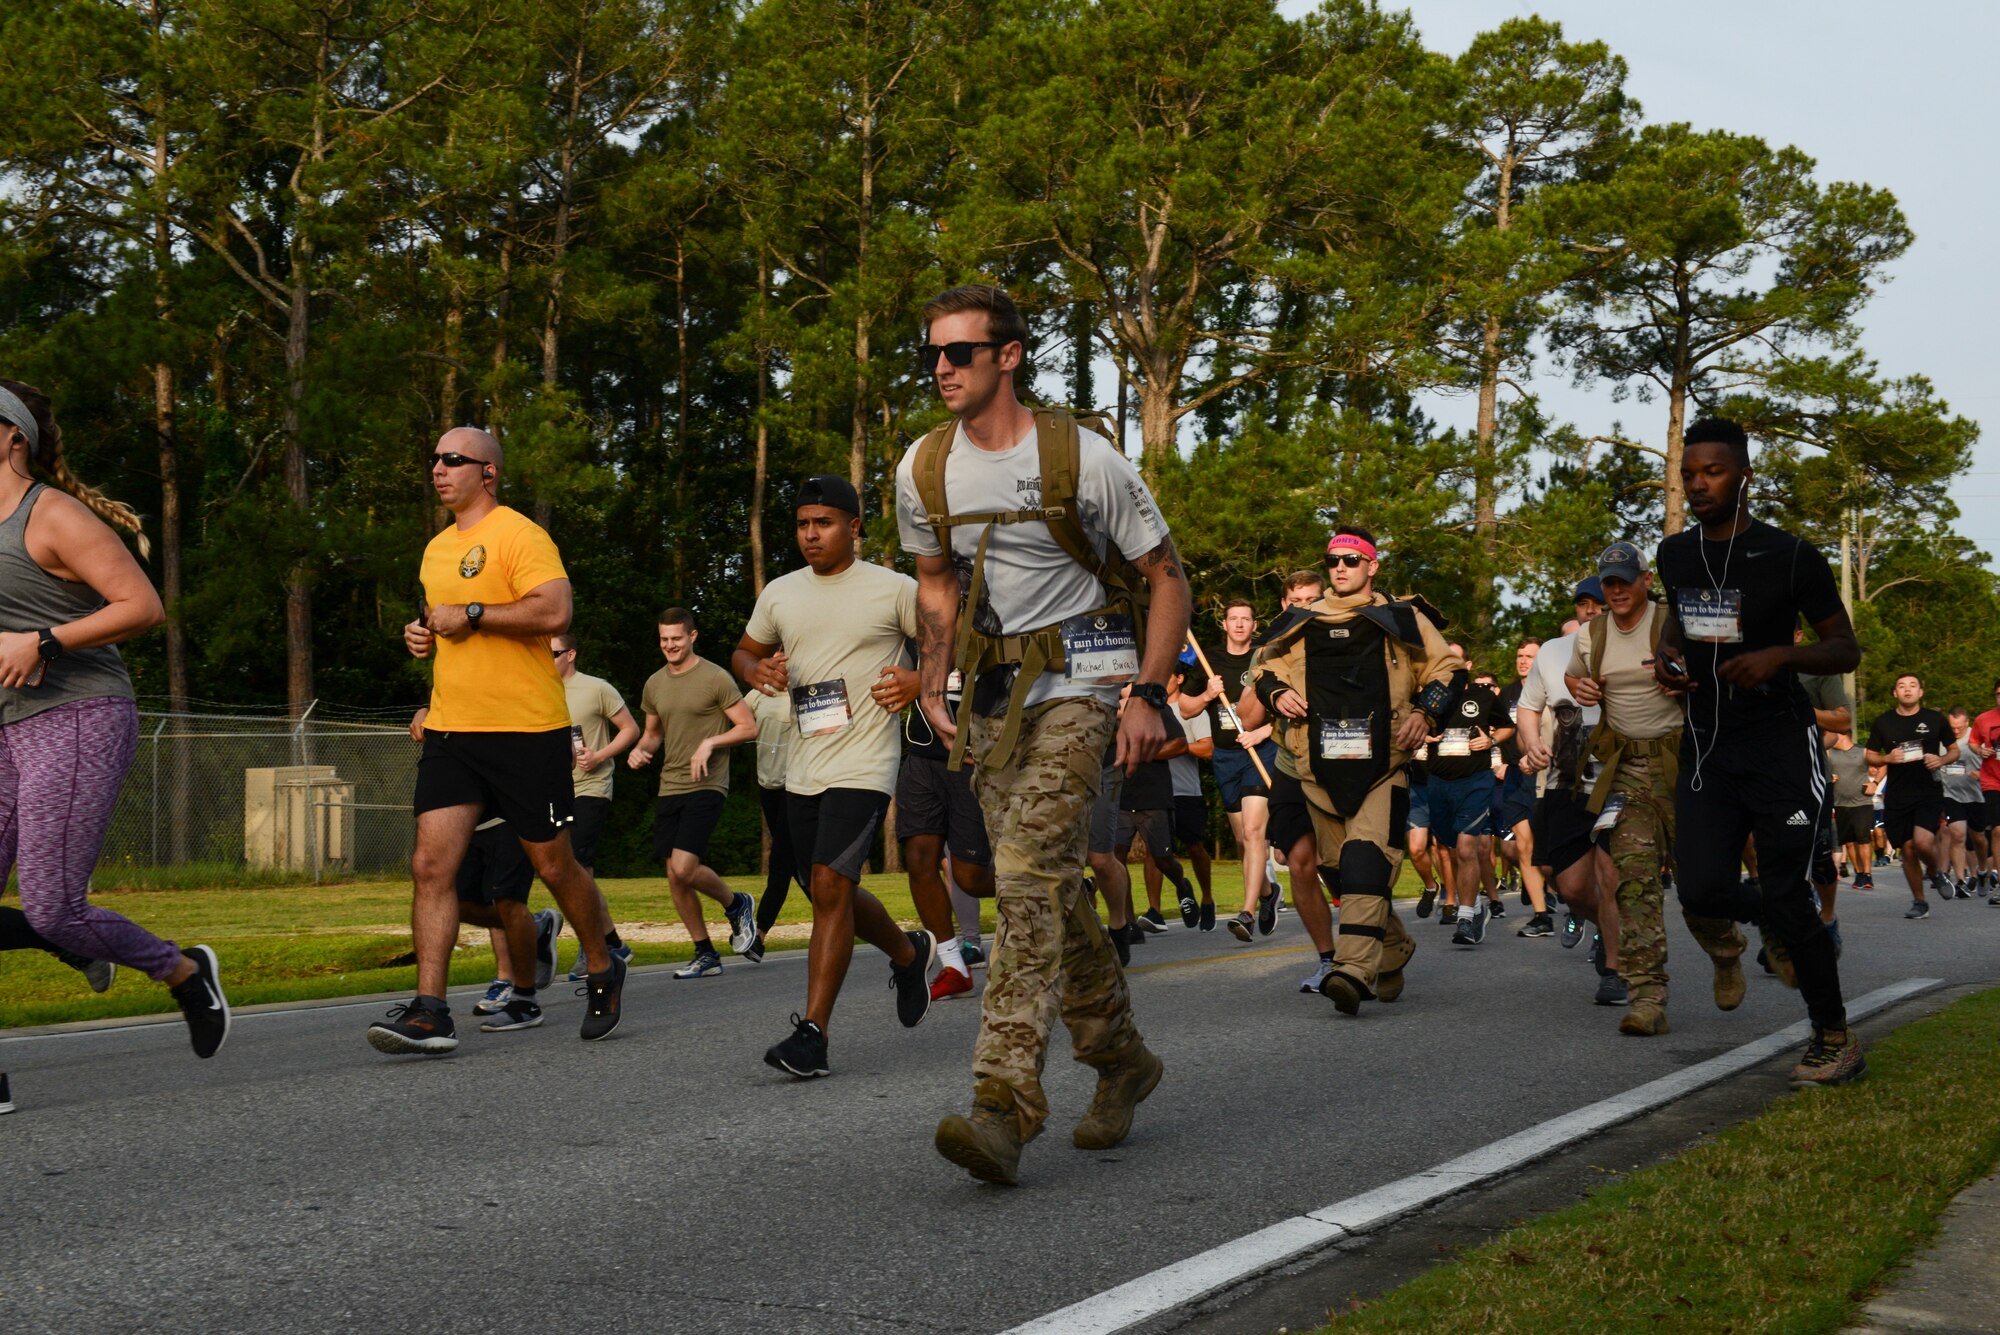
column 1163, row 560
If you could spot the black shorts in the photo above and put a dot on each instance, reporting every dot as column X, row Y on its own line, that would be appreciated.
column 1291, row 816
column 931, row 800
column 1992, row 809
column 1972, row 813
column 592, row 814
column 1902, row 820
column 1190, row 822
column 522, row 776
column 1563, row 830
column 1855, row 825
column 1824, row 872
column 495, row 868
column 684, row 822
column 836, row 829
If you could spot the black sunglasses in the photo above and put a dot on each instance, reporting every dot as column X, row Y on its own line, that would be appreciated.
column 958, row 354
column 1349, row 560
column 454, row 460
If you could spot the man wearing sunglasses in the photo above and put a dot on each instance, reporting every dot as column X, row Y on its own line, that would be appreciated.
column 1050, row 639
column 496, row 741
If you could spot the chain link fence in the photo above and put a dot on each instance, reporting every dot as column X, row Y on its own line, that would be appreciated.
column 263, row 795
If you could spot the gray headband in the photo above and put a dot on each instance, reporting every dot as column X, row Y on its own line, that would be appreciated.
column 17, row 412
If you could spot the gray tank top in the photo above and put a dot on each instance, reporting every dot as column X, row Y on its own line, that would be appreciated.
column 32, row 599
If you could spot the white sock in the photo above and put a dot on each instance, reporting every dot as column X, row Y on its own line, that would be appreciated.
column 952, row 955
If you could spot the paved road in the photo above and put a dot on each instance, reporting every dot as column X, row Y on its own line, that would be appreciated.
column 667, row 1180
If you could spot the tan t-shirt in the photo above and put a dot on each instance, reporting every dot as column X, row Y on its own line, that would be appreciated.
column 838, row 633
column 691, row 709
column 1634, row 704
column 776, row 736
column 593, row 703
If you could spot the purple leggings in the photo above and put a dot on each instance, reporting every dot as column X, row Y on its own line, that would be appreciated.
column 60, row 773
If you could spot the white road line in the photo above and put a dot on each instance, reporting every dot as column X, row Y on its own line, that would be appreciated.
column 1269, row 1248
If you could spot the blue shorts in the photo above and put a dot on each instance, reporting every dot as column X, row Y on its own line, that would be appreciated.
column 1517, row 800
column 1237, row 777
column 1420, row 805
column 1461, row 806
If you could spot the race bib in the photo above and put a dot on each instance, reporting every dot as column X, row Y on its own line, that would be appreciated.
column 1100, row 649
column 1614, row 806
column 1713, row 616
column 820, row 708
column 1225, row 721
column 1499, row 765
column 1956, row 771
column 1455, row 742
column 1909, row 751
column 1346, row 739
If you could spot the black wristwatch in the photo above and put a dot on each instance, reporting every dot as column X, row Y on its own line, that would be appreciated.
column 474, row 611
column 1152, row 693
column 52, row 648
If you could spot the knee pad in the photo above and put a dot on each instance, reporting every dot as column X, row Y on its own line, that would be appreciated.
column 1364, row 869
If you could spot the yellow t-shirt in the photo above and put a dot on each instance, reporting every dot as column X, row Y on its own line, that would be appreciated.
column 486, row 681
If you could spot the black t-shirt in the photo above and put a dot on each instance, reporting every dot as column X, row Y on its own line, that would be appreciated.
column 1928, row 732
column 1510, row 706
column 1151, row 786
column 1735, row 597
column 1474, row 709
column 1234, row 669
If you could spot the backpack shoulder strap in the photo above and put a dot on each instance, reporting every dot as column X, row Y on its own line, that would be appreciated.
column 1659, row 624
column 1600, row 637
column 1061, row 454
column 927, row 473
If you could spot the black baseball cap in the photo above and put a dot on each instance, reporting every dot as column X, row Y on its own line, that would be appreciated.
column 836, row 493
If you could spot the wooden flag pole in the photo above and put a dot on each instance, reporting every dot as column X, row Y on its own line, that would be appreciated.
column 1230, row 709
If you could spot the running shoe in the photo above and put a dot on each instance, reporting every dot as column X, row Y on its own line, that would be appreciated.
column 498, row 993
column 975, row 954
column 1527, row 902
column 415, row 1027
column 1864, row 881
column 1572, row 931
column 911, row 982
column 6, row 1095
column 755, row 954
column 1190, row 906
column 701, row 966
column 1208, row 916
column 1610, row 990
column 1918, row 909
column 1318, row 976
column 1540, row 924
column 1242, row 926
column 1152, row 920
column 1467, row 931
column 605, row 991
column 950, row 983
column 1832, row 1058
column 1283, row 907
column 548, row 927
column 803, row 1054
column 1121, row 941
column 98, row 973
column 1939, row 885
column 1448, row 915
column 1496, row 909
column 1267, row 913
column 1964, row 887
column 1427, row 901
column 742, row 922
column 202, row 1003
column 1833, row 930
column 518, row 1013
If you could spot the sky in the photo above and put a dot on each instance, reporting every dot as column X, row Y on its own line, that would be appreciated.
column 1901, row 97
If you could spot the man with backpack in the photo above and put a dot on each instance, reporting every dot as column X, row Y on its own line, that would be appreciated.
column 1047, row 579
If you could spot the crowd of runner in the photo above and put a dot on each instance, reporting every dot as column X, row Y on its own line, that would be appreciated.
column 1034, row 706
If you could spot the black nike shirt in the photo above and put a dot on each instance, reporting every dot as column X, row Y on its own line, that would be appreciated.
column 1735, row 597
column 1924, row 733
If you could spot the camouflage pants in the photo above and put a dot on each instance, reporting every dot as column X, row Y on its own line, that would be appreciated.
column 1641, row 841
column 1051, row 955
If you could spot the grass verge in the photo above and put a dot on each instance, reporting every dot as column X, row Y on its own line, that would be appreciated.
column 1781, row 1224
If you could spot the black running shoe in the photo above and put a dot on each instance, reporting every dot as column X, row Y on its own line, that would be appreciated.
column 1241, row 926
column 1527, row 902
column 1267, row 913
column 518, row 1013
column 1190, row 906
column 417, row 1027
column 912, row 981
column 1496, row 909
column 604, row 991
column 1121, row 941
column 1541, row 924
column 1152, row 920
column 98, row 973
column 202, row 1003
column 1572, row 931
column 6, row 1095
column 1466, row 931
column 1918, row 909
column 1427, row 901
column 755, row 954
column 1448, row 915
column 1208, row 916
column 804, row 1053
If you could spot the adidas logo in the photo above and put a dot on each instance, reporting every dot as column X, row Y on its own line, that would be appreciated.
column 1798, row 818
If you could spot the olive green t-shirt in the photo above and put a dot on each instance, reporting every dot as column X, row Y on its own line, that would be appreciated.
column 691, row 708
column 593, row 703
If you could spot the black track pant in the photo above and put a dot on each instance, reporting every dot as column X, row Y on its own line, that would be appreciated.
column 784, row 873
column 1770, row 784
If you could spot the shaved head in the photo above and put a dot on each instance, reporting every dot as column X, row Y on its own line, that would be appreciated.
column 473, row 443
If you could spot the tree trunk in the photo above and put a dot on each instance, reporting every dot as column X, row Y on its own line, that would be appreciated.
column 857, row 450
column 298, row 586
column 680, row 421
column 1156, row 421
column 503, row 301
column 1485, row 485
column 1679, row 382
column 1082, row 380
column 762, row 472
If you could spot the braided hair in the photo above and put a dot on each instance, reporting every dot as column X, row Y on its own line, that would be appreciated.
column 47, row 456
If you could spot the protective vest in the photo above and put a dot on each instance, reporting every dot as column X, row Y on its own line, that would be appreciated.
column 1033, row 652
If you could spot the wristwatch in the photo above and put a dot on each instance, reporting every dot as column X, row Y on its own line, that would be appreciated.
column 1152, row 693
column 52, row 648
column 474, row 611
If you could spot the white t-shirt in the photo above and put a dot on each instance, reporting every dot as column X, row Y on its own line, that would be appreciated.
column 1031, row 583
column 1186, row 769
column 776, row 736
column 838, row 633
column 1642, row 710
column 1544, row 685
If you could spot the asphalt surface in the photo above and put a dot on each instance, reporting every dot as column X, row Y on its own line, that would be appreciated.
column 668, row 1180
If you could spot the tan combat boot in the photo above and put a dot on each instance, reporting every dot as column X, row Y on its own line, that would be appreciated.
column 987, row 1143
column 1778, row 958
column 1647, row 1017
column 1120, row 1090
column 1389, row 986
column 1729, row 985
column 1343, row 992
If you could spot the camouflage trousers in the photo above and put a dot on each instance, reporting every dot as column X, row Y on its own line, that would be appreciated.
column 1051, row 955
column 1641, row 841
